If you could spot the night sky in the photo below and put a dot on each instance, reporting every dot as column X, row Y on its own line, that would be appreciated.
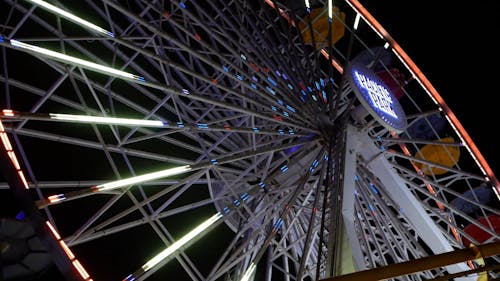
column 454, row 44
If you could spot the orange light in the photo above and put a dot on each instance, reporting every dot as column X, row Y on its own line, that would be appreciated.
column 13, row 158
column 335, row 63
column 53, row 230
column 56, row 198
column 5, row 140
column 23, row 179
column 66, row 250
column 80, row 269
column 8, row 112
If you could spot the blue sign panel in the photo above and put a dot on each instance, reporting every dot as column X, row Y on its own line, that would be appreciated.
column 376, row 97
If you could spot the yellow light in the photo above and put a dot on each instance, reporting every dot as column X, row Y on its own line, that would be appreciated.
column 106, row 120
column 143, row 178
column 181, row 242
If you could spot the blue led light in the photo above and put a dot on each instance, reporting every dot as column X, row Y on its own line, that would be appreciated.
column 286, row 114
column 239, row 77
column 290, row 86
column 280, row 102
column 272, row 81
column 289, row 107
column 280, row 131
column 284, row 168
column 182, row 4
column 226, row 210
column 278, row 223
column 202, row 126
column 214, row 161
column 180, row 124
column 245, row 196
column 225, row 68
column 274, row 108
column 185, row 91
column 270, row 90
column 254, row 86
column 20, row 216
column 371, row 208
column 1, row 39
column 255, row 79
column 255, row 129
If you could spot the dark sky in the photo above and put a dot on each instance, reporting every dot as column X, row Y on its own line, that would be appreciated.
column 455, row 44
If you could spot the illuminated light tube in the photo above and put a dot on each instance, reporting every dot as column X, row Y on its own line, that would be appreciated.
column 76, row 61
column 12, row 155
column 53, row 230
column 105, row 120
column 8, row 112
column 23, row 179
column 66, row 249
column 248, row 274
column 356, row 21
column 13, row 158
column 181, row 242
column 143, row 178
column 76, row 264
column 71, row 17
column 330, row 9
column 56, row 198
column 308, row 6
column 80, row 269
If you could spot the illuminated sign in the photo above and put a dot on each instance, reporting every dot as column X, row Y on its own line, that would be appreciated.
column 376, row 97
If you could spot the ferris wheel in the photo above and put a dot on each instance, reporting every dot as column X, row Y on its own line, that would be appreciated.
column 230, row 140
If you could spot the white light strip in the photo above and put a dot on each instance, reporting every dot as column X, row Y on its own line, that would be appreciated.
column 181, row 242
column 248, row 274
column 330, row 9
column 143, row 178
column 308, row 6
column 105, row 120
column 356, row 21
column 71, row 17
column 77, row 61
